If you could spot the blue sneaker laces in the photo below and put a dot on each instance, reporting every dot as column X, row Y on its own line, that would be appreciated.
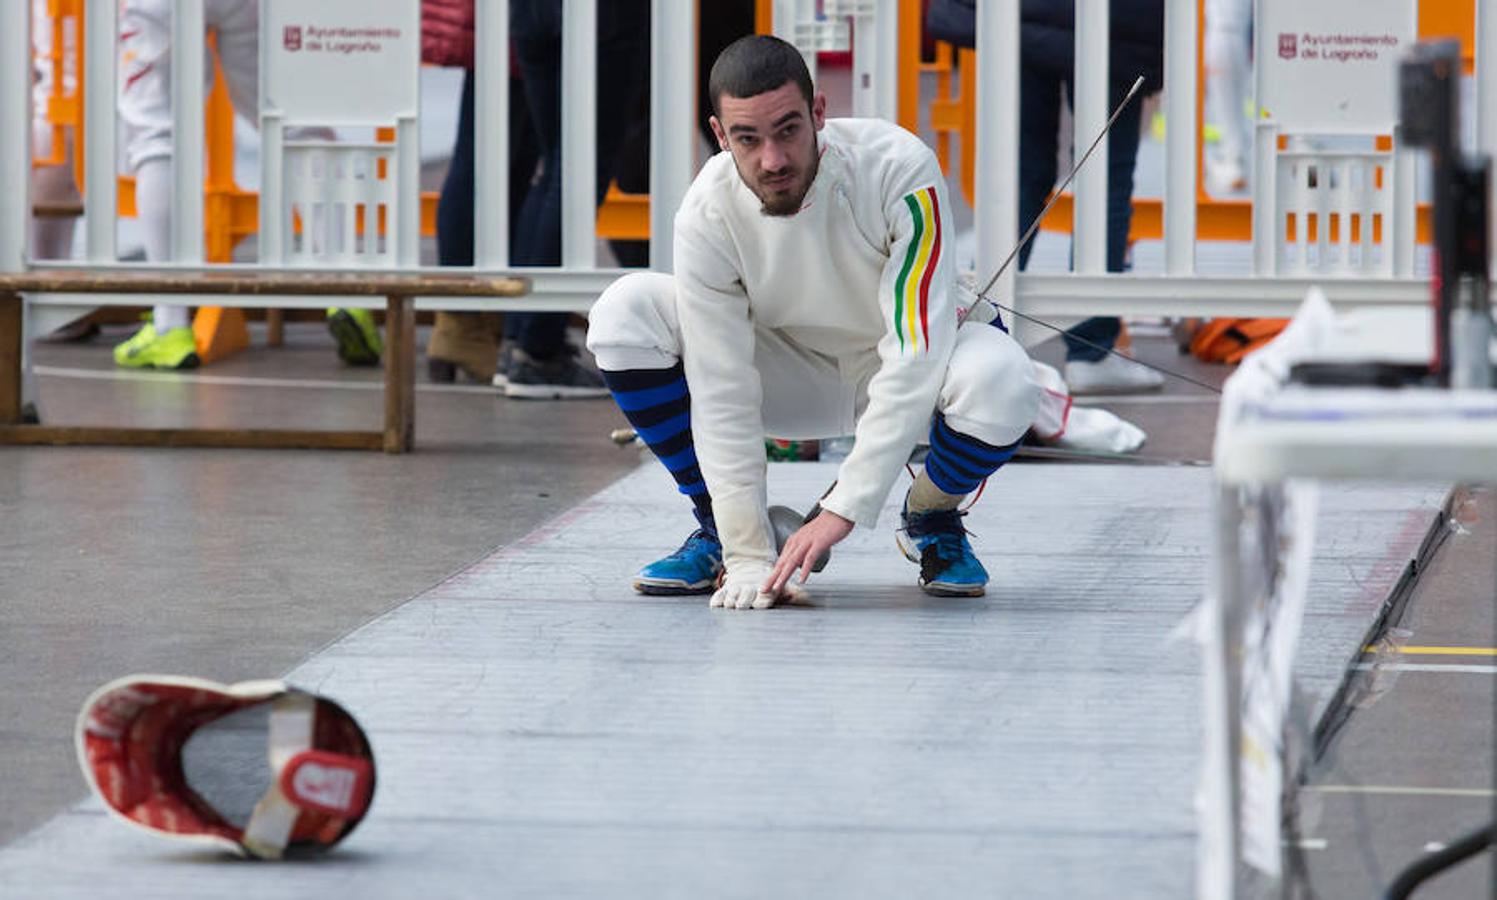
column 950, row 538
column 689, row 546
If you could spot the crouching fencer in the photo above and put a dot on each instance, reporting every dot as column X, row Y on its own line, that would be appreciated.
column 813, row 296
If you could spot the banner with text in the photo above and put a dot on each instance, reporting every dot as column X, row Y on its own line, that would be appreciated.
column 338, row 62
column 1331, row 66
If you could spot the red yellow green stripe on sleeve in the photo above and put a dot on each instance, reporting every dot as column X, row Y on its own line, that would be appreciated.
column 912, row 287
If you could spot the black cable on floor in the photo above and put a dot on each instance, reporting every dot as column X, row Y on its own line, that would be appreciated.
column 1435, row 863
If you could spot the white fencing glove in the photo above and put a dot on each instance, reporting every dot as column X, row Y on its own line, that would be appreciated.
column 741, row 589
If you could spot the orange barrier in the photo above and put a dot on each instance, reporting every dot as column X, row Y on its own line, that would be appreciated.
column 1451, row 19
column 63, row 108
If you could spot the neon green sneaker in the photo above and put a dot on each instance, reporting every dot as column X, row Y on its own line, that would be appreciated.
column 356, row 334
column 148, row 350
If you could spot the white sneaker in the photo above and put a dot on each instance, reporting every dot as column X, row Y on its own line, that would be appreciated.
column 1099, row 431
column 1111, row 374
column 1225, row 177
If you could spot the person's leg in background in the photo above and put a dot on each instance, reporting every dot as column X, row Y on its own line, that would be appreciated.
column 1090, row 366
column 1228, row 72
column 542, row 364
column 468, row 341
column 144, row 103
column 236, row 25
column 1039, row 122
column 730, row 20
column 632, row 174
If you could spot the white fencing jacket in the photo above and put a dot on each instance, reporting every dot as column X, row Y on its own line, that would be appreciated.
column 862, row 275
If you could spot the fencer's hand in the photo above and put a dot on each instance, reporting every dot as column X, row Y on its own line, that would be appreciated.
column 741, row 589
column 803, row 548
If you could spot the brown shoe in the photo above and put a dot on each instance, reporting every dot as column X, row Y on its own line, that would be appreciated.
column 462, row 340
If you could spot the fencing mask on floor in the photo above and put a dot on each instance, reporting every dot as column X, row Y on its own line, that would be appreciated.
column 257, row 768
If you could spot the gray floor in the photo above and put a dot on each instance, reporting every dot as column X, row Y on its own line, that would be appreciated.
column 1414, row 765
column 543, row 731
column 237, row 564
column 590, row 742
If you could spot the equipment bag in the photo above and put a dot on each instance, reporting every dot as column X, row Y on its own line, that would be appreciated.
column 1229, row 340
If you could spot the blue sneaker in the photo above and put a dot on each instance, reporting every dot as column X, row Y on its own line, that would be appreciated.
column 938, row 542
column 693, row 569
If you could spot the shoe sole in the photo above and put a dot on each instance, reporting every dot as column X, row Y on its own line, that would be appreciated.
column 662, row 588
column 190, row 361
column 941, row 589
column 352, row 347
column 938, row 588
column 552, row 392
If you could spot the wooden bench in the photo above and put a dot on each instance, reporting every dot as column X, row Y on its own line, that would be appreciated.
column 399, row 291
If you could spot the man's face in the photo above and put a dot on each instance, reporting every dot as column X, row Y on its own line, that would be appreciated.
column 772, row 137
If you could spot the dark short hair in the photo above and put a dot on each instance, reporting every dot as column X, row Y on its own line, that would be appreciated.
column 755, row 65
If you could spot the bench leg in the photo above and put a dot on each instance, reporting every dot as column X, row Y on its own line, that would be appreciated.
column 10, row 359
column 400, row 374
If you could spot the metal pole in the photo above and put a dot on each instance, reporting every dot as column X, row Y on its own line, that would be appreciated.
column 579, row 128
column 407, row 219
column 15, row 170
column 1089, row 229
column 886, row 83
column 1486, row 100
column 15, row 125
column 1180, row 91
column 997, row 200
column 1216, row 857
column 1266, row 228
column 491, row 135
column 1405, row 206
column 275, row 218
column 187, row 132
column 787, row 14
column 100, row 27
column 673, row 110
column 865, row 71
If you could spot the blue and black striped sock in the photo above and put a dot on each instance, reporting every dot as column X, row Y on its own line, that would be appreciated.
column 658, row 405
column 957, row 463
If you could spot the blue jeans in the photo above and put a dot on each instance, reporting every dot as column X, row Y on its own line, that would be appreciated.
column 1039, row 124
column 623, row 59
column 455, row 205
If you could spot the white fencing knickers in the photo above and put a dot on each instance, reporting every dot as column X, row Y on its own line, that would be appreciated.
column 989, row 392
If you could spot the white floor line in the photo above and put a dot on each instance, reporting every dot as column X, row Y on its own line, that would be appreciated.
column 1312, row 843
column 1397, row 790
column 243, row 381
column 1452, row 668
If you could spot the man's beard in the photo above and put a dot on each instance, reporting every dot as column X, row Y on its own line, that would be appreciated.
column 782, row 202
